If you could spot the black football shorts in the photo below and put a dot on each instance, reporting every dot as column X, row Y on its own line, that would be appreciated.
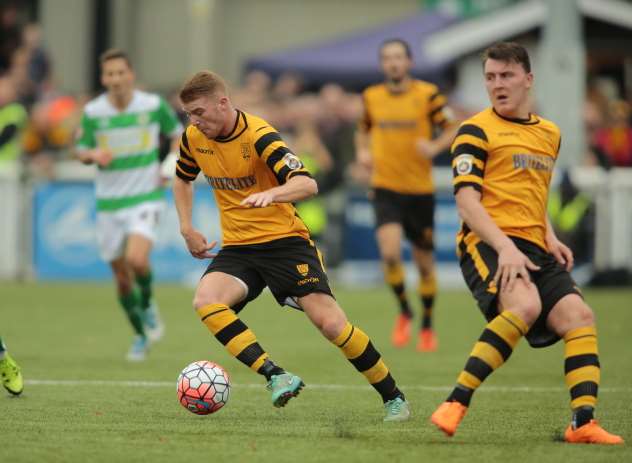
column 291, row 267
column 415, row 213
column 552, row 281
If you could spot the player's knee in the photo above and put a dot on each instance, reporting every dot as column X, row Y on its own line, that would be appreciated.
column 426, row 271
column 123, row 282
column 391, row 261
column 138, row 264
column 528, row 310
column 582, row 316
column 205, row 298
column 332, row 326
column 329, row 319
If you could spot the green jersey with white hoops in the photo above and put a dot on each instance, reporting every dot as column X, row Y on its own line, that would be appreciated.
column 133, row 136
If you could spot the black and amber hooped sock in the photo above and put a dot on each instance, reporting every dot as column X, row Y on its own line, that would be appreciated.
column 427, row 290
column 492, row 349
column 394, row 276
column 238, row 339
column 582, row 371
column 358, row 349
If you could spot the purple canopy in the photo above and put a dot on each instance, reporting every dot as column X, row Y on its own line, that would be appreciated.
column 353, row 60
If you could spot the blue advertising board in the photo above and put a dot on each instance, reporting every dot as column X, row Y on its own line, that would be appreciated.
column 64, row 235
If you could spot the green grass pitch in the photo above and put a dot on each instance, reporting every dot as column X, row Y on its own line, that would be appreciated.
column 84, row 403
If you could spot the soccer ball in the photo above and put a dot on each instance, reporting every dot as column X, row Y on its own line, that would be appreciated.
column 203, row 387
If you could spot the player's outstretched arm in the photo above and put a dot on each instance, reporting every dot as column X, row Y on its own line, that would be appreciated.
column 196, row 241
column 295, row 189
column 511, row 262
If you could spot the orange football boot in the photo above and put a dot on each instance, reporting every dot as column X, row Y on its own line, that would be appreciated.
column 448, row 416
column 401, row 330
column 591, row 433
column 428, row 341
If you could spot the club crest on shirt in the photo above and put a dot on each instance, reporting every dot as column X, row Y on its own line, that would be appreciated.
column 292, row 161
column 464, row 164
column 245, row 151
column 303, row 269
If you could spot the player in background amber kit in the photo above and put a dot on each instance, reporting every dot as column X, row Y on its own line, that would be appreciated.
column 406, row 123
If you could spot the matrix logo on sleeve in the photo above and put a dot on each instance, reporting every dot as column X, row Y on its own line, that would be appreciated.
column 292, row 161
column 464, row 164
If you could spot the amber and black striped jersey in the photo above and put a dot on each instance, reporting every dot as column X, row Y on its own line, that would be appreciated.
column 510, row 162
column 251, row 159
column 395, row 121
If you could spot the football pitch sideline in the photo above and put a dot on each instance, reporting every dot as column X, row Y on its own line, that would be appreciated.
column 83, row 402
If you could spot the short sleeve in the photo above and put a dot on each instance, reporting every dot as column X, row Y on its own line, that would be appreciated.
column 186, row 168
column 280, row 160
column 469, row 156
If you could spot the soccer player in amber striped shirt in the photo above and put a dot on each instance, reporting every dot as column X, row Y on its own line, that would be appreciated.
column 406, row 123
column 255, row 178
column 514, row 265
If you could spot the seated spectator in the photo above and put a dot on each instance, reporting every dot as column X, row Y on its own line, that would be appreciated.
column 614, row 141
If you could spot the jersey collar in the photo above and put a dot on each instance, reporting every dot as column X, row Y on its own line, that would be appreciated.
column 241, row 124
column 531, row 120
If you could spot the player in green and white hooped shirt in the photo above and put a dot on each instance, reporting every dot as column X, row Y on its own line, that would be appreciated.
column 120, row 134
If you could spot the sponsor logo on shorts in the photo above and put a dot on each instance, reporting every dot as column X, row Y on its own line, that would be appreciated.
column 307, row 281
column 303, row 269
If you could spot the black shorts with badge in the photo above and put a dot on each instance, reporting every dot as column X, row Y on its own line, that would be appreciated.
column 479, row 263
column 291, row 267
column 414, row 212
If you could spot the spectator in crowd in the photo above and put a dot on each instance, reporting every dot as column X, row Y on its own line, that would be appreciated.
column 13, row 118
column 10, row 33
column 615, row 139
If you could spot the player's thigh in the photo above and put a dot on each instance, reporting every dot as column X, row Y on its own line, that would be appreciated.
column 569, row 313
column 110, row 231
column 229, row 279
column 388, row 210
column 523, row 300
column 324, row 312
column 389, row 241
column 137, row 251
column 219, row 288
column 292, row 268
column 424, row 259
